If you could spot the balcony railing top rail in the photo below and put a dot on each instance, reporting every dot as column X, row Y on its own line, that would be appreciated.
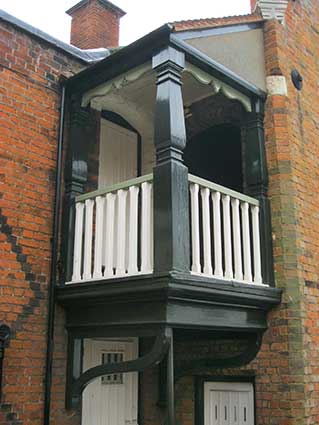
column 123, row 185
column 224, row 190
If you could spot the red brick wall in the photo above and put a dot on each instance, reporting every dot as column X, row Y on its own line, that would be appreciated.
column 94, row 26
column 29, row 118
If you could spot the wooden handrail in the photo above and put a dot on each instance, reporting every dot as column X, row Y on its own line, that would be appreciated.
column 224, row 190
column 123, row 185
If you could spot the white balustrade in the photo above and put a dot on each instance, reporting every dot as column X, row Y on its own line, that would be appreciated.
column 113, row 232
column 225, row 233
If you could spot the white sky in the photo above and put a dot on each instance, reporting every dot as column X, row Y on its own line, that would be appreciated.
column 142, row 15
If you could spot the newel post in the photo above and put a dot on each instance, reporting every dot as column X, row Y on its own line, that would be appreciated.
column 75, row 178
column 256, row 183
column 171, row 210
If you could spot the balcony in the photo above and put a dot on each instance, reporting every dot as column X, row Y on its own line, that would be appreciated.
column 113, row 235
column 174, row 241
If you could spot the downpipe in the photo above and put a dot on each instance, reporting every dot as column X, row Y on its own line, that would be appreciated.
column 53, row 268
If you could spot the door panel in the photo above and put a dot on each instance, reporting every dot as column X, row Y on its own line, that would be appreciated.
column 112, row 399
column 118, row 154
column 228, row 403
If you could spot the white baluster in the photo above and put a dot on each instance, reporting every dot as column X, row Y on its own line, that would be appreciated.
column 229, row 274
column 78, row 237
column 206, row 231
column 87, row 261
column 196, row 266
column 98, row 245
column 256, row 245
column 146, row 231
column 121, row 232
column 246, row 242
column 218, row 271
column 109, row 235
column 237, row 240
column 132, row 230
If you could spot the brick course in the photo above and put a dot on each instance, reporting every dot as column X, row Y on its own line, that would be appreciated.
column 29, row 119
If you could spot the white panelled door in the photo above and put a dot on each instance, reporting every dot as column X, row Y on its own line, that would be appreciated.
column 111, row 399
column 228, row 403
column 118, row 154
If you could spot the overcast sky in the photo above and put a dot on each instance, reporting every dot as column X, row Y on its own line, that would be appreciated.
column 142, row 15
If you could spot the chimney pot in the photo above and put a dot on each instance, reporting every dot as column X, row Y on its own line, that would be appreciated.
column 95, row 24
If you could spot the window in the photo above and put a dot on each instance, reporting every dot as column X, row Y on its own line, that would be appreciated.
column 115, row 378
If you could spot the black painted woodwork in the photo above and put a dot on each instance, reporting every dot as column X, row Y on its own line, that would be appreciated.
column 143, row 50
column 256, row 183
column 171, row 210
column 76, row 175
column 74, row 369
column 175, row 300
column 197, row 367
column 162, row 345
column 170, row 382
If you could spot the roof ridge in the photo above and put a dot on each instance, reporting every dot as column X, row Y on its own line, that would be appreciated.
column 257, row 15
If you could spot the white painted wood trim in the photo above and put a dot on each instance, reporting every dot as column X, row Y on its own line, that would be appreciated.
column 87, row 260
column 133, row 230
column 146, row 231
column 218, row 269
column 78, row 238
column 256, row 245
column 115, row 187
column 194, row 191
column 98, row 246
column 246, row 242
column 208, row 269
column 229, row 274
column 223, row 190
column 237, row 240
column 121, row 233
column 109, row 235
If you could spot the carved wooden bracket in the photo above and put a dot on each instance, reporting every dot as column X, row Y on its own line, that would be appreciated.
column 153, row 357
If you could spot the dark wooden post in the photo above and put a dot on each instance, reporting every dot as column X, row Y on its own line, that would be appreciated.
column 256, row 183
column 76, row 174
column 74, row 369
column 171, row 210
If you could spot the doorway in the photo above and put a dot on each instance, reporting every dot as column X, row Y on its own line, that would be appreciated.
column 111, row 399
column 215, row 154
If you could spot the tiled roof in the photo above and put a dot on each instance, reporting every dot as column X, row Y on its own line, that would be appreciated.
column 194, row 24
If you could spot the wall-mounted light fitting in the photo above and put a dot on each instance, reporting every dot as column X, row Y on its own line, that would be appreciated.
column 297, row 79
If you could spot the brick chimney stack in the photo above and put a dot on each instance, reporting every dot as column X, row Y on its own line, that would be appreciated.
column 95, row 24
column 253, row 5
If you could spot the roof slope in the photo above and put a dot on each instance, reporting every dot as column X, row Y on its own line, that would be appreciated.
column 88, row 56
column 193, row 24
